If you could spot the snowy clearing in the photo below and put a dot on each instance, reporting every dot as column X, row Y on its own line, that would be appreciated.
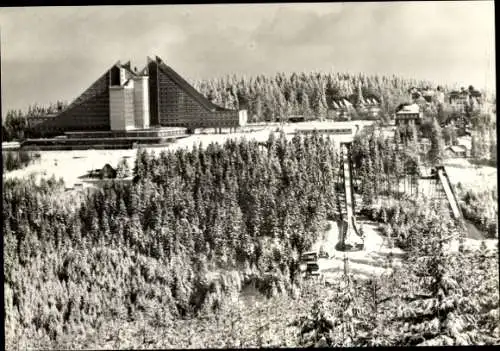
column 471, row 176
column 373, row 259
column 72, row 164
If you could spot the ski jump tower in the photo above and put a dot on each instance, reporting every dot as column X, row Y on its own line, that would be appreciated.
column 349, row 238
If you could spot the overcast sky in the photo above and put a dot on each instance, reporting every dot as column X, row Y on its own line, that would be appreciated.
column 55, row 53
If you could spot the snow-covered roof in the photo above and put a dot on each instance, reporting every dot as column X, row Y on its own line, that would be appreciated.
column 457, row 148
column 465, row 141
column 413, row 108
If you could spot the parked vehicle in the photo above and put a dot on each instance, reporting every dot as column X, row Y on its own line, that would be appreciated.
column 323, row 254
column 309, row 263
column 309, row 256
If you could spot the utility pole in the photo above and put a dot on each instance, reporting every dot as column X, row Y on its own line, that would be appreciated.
column 1, row 114
column 346, row 264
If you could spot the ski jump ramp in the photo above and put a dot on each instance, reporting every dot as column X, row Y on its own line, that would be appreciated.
column 350, row 238
column 448, row 190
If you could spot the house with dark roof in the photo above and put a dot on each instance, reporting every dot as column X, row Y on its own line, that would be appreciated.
column 124, row 100
column 425, row 96
column 428, row 95
column 458, row 97
column 465, row 99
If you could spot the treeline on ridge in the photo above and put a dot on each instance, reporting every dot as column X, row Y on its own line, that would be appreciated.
column 267, row 98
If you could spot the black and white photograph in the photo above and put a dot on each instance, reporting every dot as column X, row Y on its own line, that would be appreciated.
column 249, row 175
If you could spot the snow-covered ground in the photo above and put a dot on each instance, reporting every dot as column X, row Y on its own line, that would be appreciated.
column 370, row 261
column 72, row 164
column 469, row 175
column 373, row 259
column 461, row 171
column 465, row 141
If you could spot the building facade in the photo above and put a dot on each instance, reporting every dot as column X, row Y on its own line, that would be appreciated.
column 455, row 151
column 355, row 105
column 408, row 114
column 123, row 99
column 465, row 101
column 174, row 102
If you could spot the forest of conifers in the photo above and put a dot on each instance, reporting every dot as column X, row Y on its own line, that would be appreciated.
column 151, row 247
column 197, row 225
column 12, row 160
column 308, row 94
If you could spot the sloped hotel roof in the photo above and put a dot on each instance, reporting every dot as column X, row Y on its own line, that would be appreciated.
column 188, row 88
column 78, row 100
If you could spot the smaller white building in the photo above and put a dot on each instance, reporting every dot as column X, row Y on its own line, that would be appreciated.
column 440, row 97
column 408, row 114
column 456, row 151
